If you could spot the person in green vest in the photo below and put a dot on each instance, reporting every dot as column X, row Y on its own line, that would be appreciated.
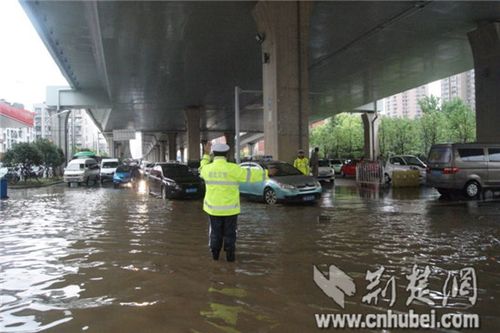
column 302, row 162
column 222, row 196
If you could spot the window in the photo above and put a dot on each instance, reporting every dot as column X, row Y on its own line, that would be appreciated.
column 471, row 154
column 494, row 154
column 397, row 160
column 440, row 155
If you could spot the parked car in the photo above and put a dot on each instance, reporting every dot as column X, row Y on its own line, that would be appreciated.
column 81, row 170
column 174, row 180
column 325, row 171
column 146, row 167
column 466, row 167
column 125, row 174
column 336, row 164
column 349, row 169
column 403, row 163
column 285, row 183
column 108, row 168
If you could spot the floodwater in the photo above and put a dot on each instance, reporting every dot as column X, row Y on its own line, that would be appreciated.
column 99, row 259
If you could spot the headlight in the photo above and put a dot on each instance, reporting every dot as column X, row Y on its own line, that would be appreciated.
column 317, row 184
column 286, row 186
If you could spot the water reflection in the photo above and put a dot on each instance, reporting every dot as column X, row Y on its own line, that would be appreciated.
column 97, row 258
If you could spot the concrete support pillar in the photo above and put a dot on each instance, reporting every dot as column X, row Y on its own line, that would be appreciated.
column 284, row 27
column 182, row 153
column 230, row 141
column 193, row 132
column 172, row 146
column 59, row 133
column 111, row 144
column 370, row 124
column 163, row 150
column 485, row 44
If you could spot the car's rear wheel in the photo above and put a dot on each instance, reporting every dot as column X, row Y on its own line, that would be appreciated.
column 472, row 190
column 270, row 196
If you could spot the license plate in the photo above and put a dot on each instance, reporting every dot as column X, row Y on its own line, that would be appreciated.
column 436, row 172
column 191, row 190
column 308, row 198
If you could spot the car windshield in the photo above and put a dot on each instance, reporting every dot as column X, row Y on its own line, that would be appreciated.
column 175, row 170
column 323, row 163
column 110, row 164
column 282, row 169
column 123, row 168
column 440, row 155
column 75, row 166
column 412, row 160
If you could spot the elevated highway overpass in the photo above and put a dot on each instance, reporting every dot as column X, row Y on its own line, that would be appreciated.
column 169, row 69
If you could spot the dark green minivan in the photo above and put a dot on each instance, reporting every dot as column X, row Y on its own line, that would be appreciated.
column 468, row 167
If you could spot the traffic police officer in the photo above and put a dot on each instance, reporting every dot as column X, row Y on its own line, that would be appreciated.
column 222, row 196
column 302, row 162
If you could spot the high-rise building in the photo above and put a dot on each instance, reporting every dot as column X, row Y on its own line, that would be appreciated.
column 405, row 104
column 460, row 86
column 43, row 122
column 85, row 132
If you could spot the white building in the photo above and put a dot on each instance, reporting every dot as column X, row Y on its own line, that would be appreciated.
column 460, row 86
column 43, row 122
column 405, row 104
column 10, row 133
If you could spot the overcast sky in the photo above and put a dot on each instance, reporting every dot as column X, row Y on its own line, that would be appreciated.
column 26, row 66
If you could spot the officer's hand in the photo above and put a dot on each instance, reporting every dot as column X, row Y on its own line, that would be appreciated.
column 207, row 148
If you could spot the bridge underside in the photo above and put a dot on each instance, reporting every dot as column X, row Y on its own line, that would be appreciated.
column 150, row 61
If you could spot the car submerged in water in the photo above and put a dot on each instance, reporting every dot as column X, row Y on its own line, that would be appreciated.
column 172, row 180
column 125, row 175
column 285, row 184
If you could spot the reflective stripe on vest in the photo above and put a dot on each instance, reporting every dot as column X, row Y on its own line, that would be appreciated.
column 221, row 207
column 220, row 182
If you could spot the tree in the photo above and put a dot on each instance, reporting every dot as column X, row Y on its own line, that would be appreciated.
column 461, row 121
column 52, row 156
column 432, row 124
column 26, row 154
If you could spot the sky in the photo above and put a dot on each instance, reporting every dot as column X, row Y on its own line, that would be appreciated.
column 26, row 67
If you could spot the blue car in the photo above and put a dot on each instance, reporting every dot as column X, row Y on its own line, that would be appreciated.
column 124, row 174
column 285, row 184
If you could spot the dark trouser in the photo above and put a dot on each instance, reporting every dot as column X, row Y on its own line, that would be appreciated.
column 223, row 230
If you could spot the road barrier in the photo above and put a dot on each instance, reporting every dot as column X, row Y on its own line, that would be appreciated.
column 405, row 178
column 369, row 172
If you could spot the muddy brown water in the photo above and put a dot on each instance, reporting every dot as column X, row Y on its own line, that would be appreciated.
column 99, row 259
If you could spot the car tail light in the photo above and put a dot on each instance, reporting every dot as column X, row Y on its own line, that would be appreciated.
column 450, row 171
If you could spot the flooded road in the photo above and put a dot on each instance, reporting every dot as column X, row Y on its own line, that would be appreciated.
column 99, row 259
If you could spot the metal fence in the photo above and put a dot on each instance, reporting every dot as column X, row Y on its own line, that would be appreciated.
column 370, row 172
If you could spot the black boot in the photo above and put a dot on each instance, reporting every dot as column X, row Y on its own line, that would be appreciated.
column 215, row 254
column 230, row 256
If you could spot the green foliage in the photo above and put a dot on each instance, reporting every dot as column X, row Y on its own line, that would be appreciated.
column 453, row 121
column 341, row 136
column 461, row 121
column 51, row 155
column 23, row 153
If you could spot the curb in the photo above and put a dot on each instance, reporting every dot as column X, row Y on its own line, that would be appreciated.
column 21, row 187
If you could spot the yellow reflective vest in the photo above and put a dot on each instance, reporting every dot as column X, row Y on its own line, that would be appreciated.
column 302, row 164
column 222, row 179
